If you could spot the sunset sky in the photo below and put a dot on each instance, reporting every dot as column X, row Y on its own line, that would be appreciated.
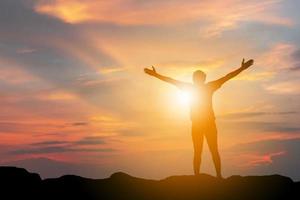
column 74, row 97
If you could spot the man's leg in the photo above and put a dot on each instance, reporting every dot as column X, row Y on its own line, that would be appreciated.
column 212, row 141
column 198, row 143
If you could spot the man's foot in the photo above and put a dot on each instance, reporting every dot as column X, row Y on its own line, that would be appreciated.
column 219, row 176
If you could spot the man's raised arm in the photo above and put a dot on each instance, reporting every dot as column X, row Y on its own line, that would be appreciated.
column 219, row 82
column 179, row 84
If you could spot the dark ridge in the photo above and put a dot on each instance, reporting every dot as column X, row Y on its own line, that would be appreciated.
column 17, row 183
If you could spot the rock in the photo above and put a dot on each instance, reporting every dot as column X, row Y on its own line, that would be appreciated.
column 17, row 183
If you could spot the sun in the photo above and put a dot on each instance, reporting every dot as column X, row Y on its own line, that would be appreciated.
column 184, row 97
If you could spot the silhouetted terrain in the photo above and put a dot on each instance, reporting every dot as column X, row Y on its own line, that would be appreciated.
column 17, row 183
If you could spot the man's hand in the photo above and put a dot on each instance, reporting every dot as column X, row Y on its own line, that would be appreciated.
column 151, row 72
column 219, row 82
column 247, row 64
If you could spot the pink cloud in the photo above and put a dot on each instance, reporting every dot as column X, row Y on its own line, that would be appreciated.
column 11, row 73
column 258, row 159
column 278, row 57
column 253, row 158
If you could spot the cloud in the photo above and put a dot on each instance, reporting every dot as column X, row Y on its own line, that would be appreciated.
column 296, row 67
column 243, row 115
column 256, row 76
column 296, row 58
column 280, row 56
column 12, row 73
column 45, row 143
column 258, row 127
column 255, row 160
column 229, row 14
column 282, row 61
column 36, row 126
column 80, row 124
column 276, row 153
column 125, row 12
column 284, row 87
column 85, row 144
column 37, row 44
column 265, row 144
column 25, row 50
column 57, row 149
column 91, row 141
column 219, row 14
column 56, row 95
column 184, row 66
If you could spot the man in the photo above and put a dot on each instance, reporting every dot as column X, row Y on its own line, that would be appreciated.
column 202, row 114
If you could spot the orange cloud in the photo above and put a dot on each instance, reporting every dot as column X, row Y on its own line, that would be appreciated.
column 255, row 76
column 221, row 15
column 57, row 95
column 286, row 87
column 11, row 73
column 126, row 12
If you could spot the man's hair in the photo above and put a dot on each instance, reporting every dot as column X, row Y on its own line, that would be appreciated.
column 199, row 73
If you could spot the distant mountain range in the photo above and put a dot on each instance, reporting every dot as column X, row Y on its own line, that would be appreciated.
column 18, row 183
column 49, row 168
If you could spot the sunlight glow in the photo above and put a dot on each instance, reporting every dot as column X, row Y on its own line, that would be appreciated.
column 184, row 97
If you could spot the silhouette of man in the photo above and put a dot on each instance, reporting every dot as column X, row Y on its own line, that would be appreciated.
column 202, row 114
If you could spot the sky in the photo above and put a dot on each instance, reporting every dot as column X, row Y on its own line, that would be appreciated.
column 74, row 97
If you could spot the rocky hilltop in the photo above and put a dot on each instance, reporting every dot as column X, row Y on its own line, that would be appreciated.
column 17, row 183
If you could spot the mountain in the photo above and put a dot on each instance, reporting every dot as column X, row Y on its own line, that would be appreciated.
column 49, row 168
column 44, row 166
column 17, row 183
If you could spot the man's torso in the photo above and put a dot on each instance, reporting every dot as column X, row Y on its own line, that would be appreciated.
column 201, row 105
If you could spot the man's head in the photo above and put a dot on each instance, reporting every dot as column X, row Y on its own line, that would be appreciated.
column 199, row 77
